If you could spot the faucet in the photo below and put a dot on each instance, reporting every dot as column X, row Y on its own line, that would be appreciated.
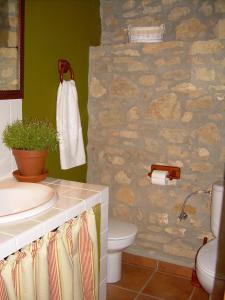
column 183, row 215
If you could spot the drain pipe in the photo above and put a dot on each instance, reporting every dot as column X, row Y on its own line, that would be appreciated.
column 183, row 215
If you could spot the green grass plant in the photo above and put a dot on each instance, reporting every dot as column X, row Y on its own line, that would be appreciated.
column 32, row 134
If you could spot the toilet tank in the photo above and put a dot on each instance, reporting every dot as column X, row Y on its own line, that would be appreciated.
column 217, row 206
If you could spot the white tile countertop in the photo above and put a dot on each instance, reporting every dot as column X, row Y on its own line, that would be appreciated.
column 73, row 199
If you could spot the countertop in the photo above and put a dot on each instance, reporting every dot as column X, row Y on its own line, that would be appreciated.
column 73, row 199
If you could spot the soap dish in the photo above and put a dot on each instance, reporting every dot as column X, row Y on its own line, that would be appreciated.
column 33, row 178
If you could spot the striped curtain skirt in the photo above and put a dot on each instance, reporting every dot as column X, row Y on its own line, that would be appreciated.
column 62, row 265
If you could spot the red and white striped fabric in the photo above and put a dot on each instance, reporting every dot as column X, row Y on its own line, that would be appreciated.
column 54, row 279
column 16, row 273
column 3, row 291
column 86, row 261
column 62, row 265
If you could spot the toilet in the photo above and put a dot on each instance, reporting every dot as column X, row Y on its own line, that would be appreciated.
column 120, row 236
column 206, row 263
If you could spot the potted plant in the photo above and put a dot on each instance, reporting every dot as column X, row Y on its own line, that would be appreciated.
column 30, row 141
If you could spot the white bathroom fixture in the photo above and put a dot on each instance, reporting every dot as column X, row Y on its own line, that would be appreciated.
column 120, row 236
column 208, row 273
column 20, row 200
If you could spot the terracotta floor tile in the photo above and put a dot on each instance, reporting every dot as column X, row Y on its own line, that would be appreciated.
column 134, row 277
column 145, row 297
column 116, row 293
column 200, row 294
column 169, row 287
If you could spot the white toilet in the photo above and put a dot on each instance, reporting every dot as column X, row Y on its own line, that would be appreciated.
column 206, row 264
column 120, row 236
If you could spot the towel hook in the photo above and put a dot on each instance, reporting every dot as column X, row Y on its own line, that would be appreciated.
column 63, row 67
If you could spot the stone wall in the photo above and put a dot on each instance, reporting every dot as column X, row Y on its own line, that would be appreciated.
column 8, row 45
column 158, row 103
column 184, row 19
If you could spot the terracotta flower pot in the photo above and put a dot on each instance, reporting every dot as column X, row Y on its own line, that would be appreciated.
column 30, row 162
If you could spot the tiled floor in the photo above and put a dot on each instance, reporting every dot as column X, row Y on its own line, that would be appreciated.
column 148, row 283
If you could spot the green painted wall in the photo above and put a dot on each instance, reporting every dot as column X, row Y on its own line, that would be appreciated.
column 58, row 29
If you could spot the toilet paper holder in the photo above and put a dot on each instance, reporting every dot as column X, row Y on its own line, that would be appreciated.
column 173, row 172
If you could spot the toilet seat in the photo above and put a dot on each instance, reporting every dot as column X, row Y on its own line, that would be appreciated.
column 120, row 230
column 207, row 260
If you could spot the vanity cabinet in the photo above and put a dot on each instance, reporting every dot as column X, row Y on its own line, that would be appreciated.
column 74, row 198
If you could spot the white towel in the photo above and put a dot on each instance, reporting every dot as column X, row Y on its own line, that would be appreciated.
column 71, row 145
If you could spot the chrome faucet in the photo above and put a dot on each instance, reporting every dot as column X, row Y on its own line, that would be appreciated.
column 183, row 215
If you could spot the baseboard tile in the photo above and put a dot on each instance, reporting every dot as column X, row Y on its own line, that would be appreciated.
column 160, row 265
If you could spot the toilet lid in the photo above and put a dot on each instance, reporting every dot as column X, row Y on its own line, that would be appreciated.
column 119, row 230
column 207, row 260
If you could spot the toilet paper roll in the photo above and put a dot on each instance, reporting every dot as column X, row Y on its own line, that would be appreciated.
column 159, row 177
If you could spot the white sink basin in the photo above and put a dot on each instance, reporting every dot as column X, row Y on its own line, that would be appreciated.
column 20, row 200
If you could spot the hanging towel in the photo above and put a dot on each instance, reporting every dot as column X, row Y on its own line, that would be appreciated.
column 71, row 145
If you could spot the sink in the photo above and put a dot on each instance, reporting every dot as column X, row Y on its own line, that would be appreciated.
column 21, row 200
